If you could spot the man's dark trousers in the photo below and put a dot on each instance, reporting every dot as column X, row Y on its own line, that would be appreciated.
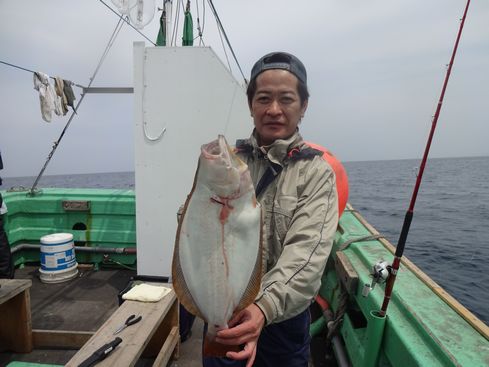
column 284, row 344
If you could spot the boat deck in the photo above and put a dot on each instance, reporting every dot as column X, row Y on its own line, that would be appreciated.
column 83, row 304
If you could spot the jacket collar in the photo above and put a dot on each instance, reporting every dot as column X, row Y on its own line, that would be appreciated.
column 277, row 152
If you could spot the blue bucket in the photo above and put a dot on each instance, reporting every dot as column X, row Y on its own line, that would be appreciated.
column 58, row 260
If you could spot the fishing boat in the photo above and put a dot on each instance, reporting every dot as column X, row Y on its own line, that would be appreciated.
column 425, row 326
column 118, row 235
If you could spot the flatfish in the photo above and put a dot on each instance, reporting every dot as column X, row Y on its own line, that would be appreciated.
column 217, row 260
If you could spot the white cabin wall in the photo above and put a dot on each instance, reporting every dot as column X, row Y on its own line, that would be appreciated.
column 190, row 92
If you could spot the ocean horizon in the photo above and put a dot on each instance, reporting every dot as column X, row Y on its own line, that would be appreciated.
column 449, row 235
column 344, row 162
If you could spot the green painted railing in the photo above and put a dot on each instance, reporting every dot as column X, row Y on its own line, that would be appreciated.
column 103, row 218
column 421, row 328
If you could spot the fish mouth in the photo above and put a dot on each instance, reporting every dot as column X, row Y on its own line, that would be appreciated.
column 211, row 150
column 222, row 167
column 215, row 148
column 218, row 149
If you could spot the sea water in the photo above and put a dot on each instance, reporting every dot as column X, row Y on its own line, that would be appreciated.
column 449, row 236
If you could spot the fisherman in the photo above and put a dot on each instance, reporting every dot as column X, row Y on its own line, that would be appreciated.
column 297, row 190
column 6, row 263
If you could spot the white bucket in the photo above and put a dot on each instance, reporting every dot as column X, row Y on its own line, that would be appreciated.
column 58, row 260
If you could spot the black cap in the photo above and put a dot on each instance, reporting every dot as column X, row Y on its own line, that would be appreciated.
column 280, row 60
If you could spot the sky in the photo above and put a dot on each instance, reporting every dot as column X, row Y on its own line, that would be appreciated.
column 375, row 72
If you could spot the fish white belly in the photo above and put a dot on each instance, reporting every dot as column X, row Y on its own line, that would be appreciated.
column 218, row 249
column 217, row 262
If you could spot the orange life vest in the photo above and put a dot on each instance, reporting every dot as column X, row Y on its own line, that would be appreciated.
column 340, row 172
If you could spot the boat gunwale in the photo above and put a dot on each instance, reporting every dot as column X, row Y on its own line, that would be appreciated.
column 455, row 305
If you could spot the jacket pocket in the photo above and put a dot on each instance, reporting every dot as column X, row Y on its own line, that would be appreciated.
column 283, row 212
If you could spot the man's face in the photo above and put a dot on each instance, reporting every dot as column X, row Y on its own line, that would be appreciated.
column 276, row 106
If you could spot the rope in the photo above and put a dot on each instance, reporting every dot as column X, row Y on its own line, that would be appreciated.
column 56, row 143
column 32, row 71
column 16, row 66
column 226, row 37
column 334, row 325
column 346, row 244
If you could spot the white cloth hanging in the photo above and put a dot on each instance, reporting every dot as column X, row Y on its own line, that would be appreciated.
column 59, row 86
column 58, row 104
column 47, row 95
column 68, row 92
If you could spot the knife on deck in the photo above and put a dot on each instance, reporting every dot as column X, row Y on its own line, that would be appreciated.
column 101, row 353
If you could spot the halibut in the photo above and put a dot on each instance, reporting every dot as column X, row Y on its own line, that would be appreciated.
column 217, row 260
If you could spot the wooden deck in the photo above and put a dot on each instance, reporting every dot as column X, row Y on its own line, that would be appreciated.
column 83, row 305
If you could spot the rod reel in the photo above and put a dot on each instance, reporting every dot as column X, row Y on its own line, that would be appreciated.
column 380, row 273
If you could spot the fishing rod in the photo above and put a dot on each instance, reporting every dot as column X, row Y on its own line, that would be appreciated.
column 410, row 212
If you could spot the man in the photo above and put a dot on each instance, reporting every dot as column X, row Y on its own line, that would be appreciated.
column 297, row 190
column 6, row 263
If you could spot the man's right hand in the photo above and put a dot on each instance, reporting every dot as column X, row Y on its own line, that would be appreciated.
column 244, row 328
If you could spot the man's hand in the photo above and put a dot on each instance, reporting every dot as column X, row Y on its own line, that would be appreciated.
column 244, row 328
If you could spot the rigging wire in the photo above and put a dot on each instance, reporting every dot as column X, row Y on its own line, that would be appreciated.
column 175, row 25
column 79, row 85
column 114, row 35
column 224, row 48
column 112, row 39
column 204, row 10
column 128, row 22
column 107, row 48
column 199, row 29
column 219, row 23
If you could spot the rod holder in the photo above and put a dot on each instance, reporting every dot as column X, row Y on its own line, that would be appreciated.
column 374, row 336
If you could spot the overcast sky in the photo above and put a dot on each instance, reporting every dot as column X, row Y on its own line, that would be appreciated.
column 375, row 72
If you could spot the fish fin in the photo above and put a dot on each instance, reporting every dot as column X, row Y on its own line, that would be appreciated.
column 211, row 348
column 254, row 284
column 179, row 285
column 181, row 289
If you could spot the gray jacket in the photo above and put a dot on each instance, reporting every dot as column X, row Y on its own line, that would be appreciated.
column 300, row 207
